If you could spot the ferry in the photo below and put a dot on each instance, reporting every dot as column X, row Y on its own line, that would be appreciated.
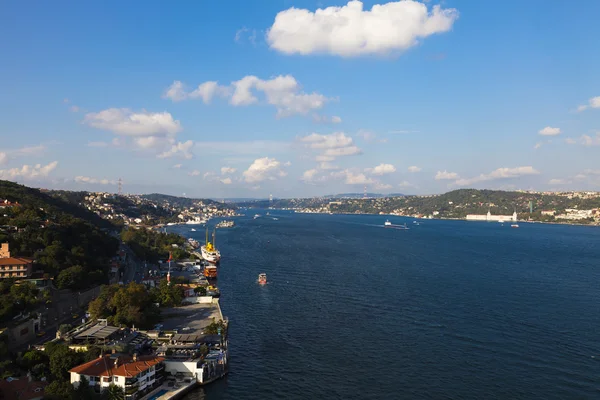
column 225, row 224
column 262, row 278
column 388, row 224
column 209, row 251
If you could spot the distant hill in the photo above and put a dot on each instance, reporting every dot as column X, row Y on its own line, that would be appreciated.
column 361, row 195
column 176, row 200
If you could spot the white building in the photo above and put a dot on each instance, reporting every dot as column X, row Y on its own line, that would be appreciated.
column 136, row 375
column 490, row 217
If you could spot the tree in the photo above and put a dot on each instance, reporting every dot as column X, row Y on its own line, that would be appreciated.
column 200, row 290
column 62, row 359
column 59, row 390
column 71, row 278
column 64, row 328
column 113, row 392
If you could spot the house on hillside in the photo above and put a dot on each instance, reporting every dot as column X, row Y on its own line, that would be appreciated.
column 14, row 267
column 137, row 375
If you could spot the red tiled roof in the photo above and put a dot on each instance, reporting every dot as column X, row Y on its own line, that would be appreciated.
column 16, row 261
column 105, row 366
column 22, row 389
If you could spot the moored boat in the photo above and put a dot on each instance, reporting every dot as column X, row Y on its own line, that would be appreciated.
column 262, row 278
column 209, row 251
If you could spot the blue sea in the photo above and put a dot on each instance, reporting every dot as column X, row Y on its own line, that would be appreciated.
column 444, row 310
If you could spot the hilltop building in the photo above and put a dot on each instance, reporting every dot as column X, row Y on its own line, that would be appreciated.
column 490, row 217
column 14, row 267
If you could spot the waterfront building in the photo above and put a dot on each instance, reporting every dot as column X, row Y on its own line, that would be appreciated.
column 136, row 375
column 14, row 267
column 490, row 217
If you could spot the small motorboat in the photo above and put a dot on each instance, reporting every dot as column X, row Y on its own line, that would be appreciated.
column 193, row 230
column 262, row 279
column 514, row 226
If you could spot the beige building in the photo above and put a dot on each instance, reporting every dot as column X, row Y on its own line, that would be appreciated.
column 14, row 267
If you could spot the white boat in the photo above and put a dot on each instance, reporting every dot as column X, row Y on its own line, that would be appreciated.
column 514, row 226
column 193, row 230
column 209, row 251
column 256, row 216
column 262, row 279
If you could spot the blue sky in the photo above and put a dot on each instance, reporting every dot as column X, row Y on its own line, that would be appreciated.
column 230, row 99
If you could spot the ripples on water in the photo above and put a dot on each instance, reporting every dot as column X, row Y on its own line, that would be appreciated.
column 447, row 309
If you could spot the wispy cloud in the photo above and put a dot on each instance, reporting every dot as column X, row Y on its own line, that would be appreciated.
column 500, row 173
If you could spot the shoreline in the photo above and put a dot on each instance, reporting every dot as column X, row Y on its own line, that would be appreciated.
column 448, row 219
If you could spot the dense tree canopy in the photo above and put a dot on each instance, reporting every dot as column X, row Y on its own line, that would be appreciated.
column 154, row 246
column 17, row 298
column 128, row 305
column 58, row 235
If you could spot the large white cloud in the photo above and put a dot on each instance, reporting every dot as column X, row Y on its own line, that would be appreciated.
column 500, row 173
column 28, row 171
column 414, row 168
column 594, row 102
column 549, row 131
column 283, row 92
column 123, row 121
column 264, row 169
column 381, row 169
column 350, row 30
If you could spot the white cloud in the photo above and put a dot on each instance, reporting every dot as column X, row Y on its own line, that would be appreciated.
column 350, row 31
column 592, row 171
column 402, row 132
column 559, row 181
column 445, row 175
column 74, row 109
column 226, row 181
column 28, row 171
column 549, row 131
column 227, row 170
column 177, row 166
column 352, row 178
column 87, row 179
column 586, row 140
column 181, row 149
column 123, row 121
column 175, row 92
column 336, row 120
column 27, row 151
column 500, row 173
column 264, row 169
column 244, row 32
column 538, row 145
column 381, row 169
column 330, row 146
column 283, row 92
column 367, row 136
column 309, row 175
column 594, row 102
column 414, row 168
column 195, row 173
column 207, row 90
column 405, row 184
column 327, row 166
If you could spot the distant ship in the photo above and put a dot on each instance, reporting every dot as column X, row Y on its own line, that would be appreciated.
column 262, row 279
column 193, row 230
column 209, row 251
column 388, row 224
column 514, row 226
column 256, row 216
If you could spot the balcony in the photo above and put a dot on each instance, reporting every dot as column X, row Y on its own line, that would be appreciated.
column 129, row 390
column 130, row 382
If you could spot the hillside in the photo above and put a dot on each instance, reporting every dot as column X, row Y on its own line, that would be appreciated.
column 178, row 202
column 67, row 242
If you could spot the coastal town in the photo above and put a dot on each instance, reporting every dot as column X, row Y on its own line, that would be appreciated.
column 100, row 300
column 65, row 335
column 550, row 207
